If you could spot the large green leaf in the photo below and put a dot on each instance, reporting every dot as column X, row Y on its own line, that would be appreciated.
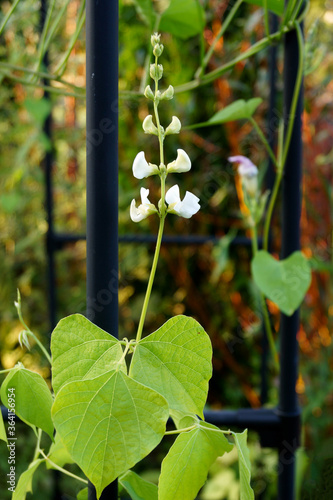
column 183, row 18
column 82, row 350
column 185, row 468
column 176, row 362
column 3, row 435
column 138, row 488
column 82, row 494
column 276, row 6
column 145, row 11
column 24, row 484
column 238, row 110
column 285, row 282
column 58, row 454
column 33, row 400
column 108, row 424
column 246, row 492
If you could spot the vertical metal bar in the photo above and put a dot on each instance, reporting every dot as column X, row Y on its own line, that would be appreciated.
column 102, row 172
column 291, row 211
column 47, row 164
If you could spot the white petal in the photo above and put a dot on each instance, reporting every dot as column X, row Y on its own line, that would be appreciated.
column 190, row 205
column 144, row 196
column 173, row 195
column 181, row 164
column 135, row 213
column 148, row 125
column 141, row 168
column 174, row 127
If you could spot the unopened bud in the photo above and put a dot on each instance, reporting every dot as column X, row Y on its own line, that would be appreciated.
column 23, row 339
column 148, row 125
column 158, row 49
column 155, row 38
column 168, row 93
column 174, row 127
column 149, row 93
column 156, row 71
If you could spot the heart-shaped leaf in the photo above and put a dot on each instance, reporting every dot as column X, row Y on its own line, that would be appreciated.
column 246, row 492
column 185, row 468
column 176, row 362
column 108, row 424
column 82, row 350
column 3, row 435
column 33, row 400
column 285, row 282
column 138, row 488
column 238, row 110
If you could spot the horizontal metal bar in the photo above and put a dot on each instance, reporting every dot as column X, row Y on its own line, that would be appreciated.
column 60, row 239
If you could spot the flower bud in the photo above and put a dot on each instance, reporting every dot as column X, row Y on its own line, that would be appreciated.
column 148, row 125
column 149, row 93
column 168, row 93
column 158, row 49
column 156, row 71
column 174, row 127
column 155, row 39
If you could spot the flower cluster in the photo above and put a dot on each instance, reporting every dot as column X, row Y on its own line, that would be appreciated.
column 170, row 201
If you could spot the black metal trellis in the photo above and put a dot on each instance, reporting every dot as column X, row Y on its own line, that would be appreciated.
column 278, row 427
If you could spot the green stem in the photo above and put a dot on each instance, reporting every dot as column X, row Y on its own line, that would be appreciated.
column 266, row 19
column 151, row 279
column 212, row 75
column 81, row 20
column 223, row 29
column 8, row 15
column 37, row 449
column 264, row 140
column 6, row 371
column 284, row 144
column 64, row 471
column 288, row 11
column 179, row 431
column 269, row 333
column 42, row 49
column 27, row 329
column 267, row 322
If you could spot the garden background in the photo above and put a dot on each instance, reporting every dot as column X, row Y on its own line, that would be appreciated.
column 209, row 282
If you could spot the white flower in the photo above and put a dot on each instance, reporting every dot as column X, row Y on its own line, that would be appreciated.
column 148, row 126
column 181, row 164
column 146, row 208
column 248, row 173
column 186, row 208
column 174, row 127
column 141, row 168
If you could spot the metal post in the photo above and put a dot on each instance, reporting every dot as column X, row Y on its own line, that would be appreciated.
column 291, row 211
column 102, row 173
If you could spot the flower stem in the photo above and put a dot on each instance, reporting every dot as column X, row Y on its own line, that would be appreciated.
column 285, row 143
column 64, row 471
column 151, row 279
column 264, row 140
column 179, row 431
column 223, row 29
column 267, row 322
column 28, row 331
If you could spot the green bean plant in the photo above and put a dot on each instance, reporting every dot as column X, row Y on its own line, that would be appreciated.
column 113, row 401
